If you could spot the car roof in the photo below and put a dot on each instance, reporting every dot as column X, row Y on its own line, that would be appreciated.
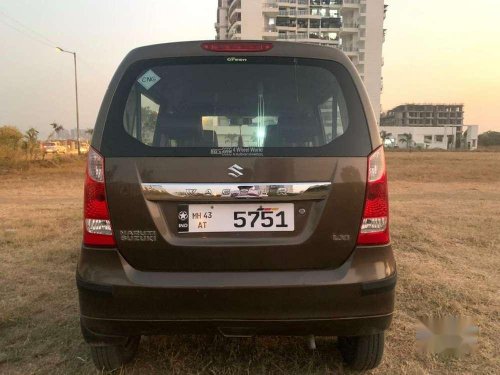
column 193, row 49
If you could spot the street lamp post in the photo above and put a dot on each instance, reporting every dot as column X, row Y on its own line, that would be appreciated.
column 76, row 98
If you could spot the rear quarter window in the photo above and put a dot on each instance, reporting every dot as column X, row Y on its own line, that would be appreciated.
column 258, row 106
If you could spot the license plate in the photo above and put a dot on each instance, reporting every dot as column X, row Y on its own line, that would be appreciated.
column 196, row 218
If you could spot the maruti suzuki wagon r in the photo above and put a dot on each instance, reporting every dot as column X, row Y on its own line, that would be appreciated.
column 237, row 188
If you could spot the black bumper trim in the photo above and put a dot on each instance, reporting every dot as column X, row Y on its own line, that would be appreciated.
column 380, row 286
column 99, row 288
column 375, row 287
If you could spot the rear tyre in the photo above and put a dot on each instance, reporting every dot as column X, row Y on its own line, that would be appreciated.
column 112, row 357
column 362, row 352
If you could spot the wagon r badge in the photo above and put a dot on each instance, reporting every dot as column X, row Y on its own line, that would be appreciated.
column 235, row 171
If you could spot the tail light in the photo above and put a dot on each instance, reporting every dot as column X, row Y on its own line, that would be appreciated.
column 97, row 229
column 237, row 46
column 375, row 225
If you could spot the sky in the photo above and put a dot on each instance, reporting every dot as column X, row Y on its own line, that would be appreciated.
column 435, row 51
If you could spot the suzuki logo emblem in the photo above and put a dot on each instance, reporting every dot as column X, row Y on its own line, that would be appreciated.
column 235, row 171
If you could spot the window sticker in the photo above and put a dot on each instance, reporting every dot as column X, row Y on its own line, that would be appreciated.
column 149, row 79
column 237, row 151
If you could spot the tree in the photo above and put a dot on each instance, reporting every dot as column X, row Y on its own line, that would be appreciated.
column 385, row 135
column 490, row 138
column 10, row 140
column 149, row 120
column 407, row 138
column 56, row 129
column 10, row 137
column 89, row 132
column 232, row 138
column 30, row 142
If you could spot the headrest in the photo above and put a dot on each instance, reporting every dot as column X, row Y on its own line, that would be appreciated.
column 184, row 128
column 293, row 120
column 297, row 129
column 210, row 139
column 173, row 124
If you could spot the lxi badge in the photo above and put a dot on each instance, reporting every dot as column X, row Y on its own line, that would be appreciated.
column 183, row 218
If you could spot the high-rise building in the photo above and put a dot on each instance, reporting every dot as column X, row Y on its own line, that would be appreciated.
column 354, row 26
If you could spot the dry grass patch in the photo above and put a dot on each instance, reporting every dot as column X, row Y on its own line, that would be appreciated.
column 445, row 224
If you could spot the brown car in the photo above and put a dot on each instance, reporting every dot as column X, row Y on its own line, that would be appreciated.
column 236, row 188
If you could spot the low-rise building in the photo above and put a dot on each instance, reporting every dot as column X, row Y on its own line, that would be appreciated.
column 424, row 115
column 471, row 137
column 430, row 126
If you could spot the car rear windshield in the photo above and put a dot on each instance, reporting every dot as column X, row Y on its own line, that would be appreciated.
column 229, row 105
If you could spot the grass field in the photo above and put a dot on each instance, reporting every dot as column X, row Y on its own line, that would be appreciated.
column 446, row 234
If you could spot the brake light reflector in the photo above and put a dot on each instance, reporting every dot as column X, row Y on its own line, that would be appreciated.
column 375, row 225
column 97, row 229
column 237, row 46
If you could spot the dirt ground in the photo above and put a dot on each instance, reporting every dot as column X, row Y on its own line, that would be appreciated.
column 445, row 212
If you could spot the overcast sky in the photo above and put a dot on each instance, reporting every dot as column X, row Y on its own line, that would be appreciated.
column 435, row 51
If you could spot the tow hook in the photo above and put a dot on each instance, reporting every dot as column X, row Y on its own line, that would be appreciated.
column 311, row 342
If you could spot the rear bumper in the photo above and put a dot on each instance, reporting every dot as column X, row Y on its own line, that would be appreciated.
column 117, row 300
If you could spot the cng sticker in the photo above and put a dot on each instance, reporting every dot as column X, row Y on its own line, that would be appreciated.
column 149, row 79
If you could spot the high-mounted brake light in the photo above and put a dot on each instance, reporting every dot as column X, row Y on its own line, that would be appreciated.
column 375, row 225
column 237, row 46
column 97, row 229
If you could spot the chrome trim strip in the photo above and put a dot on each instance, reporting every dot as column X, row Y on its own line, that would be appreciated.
column 235, row 191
